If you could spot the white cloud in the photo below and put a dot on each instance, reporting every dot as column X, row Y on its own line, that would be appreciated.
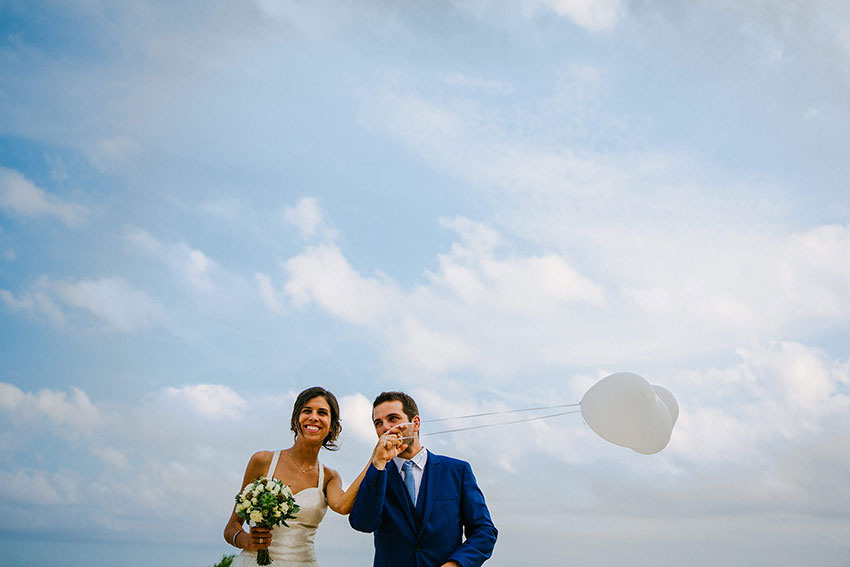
column 75, row 411
column 715, row 284
column 595, row 15
column 708, row 288
column 844, row 37
column 153, row 452
column 472, row 83
column 213, row 401
column 30, row 488
column 10, row 396
column 428, row 349
column 149, row 459
column 49, row 307
column 784, row 392
column 465, row 140
column 267, row 293
column 323, row 276
column 737, row 281
column 716, row 434
column 109, row 154
column 15, row 303
column 356, row 414
column 112, row 457
column 804, row 379
column 191, row 264
column 21, row 197
column 37, row 299
column 142, row 240
column 197, row 268
column 114, row 300
column 449, row 323
column 308, row 218
column 527, row 285
column 228, row 209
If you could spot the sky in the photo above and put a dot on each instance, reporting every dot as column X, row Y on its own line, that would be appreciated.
column 208, row 206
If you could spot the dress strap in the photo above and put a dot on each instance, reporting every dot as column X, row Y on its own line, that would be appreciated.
column 273, row 466
column 321, row 476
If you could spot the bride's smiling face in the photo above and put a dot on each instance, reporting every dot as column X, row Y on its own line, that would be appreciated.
column 314, row 421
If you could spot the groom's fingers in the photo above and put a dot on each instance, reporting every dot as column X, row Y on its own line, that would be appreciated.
column 390, row 438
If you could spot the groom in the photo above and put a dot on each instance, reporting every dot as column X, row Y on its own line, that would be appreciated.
column 418, row 504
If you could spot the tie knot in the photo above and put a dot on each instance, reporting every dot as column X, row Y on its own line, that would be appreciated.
column 407, row 466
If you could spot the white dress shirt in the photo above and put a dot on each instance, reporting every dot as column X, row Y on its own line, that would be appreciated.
column 418, row 460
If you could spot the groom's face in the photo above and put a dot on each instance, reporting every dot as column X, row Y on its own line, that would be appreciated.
column 387, row 415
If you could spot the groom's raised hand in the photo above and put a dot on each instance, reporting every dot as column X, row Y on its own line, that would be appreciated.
column 389, row 445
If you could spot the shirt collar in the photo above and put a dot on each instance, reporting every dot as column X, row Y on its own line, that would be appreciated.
column 419, row 459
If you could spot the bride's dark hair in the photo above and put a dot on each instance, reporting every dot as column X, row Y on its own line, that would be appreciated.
column 336, row 426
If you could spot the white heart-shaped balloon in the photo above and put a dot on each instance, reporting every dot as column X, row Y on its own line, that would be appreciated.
column 626, row 410
column 669, row 400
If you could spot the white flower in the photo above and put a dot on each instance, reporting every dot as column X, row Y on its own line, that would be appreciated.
column 287, row 491
column 276, row 489
column 254, row 501
column 284, row 507
column 256, row 516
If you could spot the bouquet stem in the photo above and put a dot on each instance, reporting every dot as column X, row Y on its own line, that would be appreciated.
column 263, row 557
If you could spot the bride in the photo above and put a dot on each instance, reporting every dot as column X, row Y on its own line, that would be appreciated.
column 315, row 422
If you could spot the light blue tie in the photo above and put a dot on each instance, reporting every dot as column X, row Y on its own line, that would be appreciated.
column 409, row 483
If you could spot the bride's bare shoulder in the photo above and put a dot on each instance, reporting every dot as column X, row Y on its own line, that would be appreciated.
column 330, row 474
column 259, row 464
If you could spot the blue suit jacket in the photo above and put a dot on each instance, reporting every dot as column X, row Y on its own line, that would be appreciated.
column 449, row 506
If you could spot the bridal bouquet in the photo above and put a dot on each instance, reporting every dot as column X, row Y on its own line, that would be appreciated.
column 266, row 502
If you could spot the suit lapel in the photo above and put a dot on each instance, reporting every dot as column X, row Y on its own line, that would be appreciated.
column 400, row 493
column 431, row 480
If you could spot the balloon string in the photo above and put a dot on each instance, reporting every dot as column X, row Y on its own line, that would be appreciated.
column 489, row 424
column 501, row 423
column 500, row 413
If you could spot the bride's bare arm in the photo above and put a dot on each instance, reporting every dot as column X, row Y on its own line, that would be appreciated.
column 234, row 533
column 342, row 501
column 339, row 500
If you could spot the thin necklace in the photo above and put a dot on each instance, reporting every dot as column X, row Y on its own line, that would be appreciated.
column 303, row 471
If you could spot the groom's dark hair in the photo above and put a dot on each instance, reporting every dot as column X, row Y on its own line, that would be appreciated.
column 336, row 427
column 407, row 403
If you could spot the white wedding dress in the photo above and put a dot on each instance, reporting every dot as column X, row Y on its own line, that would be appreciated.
column 293, row 546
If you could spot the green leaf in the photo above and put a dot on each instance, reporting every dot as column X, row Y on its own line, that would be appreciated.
column 226, row 561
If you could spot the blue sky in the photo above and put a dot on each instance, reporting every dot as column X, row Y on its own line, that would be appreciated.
column 206, row 207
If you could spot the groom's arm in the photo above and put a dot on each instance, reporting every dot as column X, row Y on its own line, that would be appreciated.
column 366, row 513
column 478, row 528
